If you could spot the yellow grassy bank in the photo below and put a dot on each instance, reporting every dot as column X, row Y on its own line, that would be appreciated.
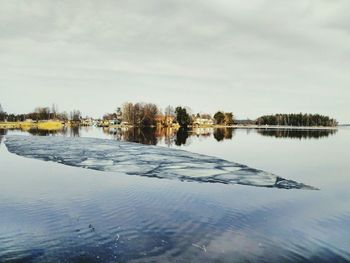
column 41, row 125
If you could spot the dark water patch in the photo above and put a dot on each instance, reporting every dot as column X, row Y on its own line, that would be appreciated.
column 2, row 133
column 41, row 132
column 221, row 134
column 297, row 133
column 19, row 256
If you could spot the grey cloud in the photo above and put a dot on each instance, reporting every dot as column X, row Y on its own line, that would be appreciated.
column 253, row 57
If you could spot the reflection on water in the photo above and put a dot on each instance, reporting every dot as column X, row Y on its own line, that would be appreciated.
column 223, row 133
column 40, row 132
column 2, row 133
column 51, row 212
column 297, row 134
column 182, row 136
column 169, row 136
column 73, row 131
column 138, row 135
column 178, row 137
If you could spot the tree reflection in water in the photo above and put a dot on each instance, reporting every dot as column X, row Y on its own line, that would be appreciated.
column 223, row 133
column 2, row 133
column 169, row 136
column 138, row 135
column 297, row 133
column 181, row 136
column 172, row 136
column 74, row 131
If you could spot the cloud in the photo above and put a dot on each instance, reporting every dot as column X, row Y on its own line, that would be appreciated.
column 275, row 54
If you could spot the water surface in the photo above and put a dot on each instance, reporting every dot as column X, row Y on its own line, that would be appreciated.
column 51, row 212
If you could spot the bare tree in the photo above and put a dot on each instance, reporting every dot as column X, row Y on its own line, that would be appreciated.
column 63, row 116
column 42, row 113
column 128, row 113
column 150, row 112
column 205, row 116
column 54, row 111
column 2, row 114
column 140, row 114
column 169, row 111
column 75, row 115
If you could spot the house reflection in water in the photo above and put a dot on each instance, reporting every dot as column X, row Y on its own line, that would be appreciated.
column 174, row 136
column 168, row 136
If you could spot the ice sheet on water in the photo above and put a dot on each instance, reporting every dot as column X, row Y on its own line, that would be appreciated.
column 143, row 160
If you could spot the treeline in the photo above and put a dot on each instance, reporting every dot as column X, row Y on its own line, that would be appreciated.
column 41, row 113
column 148, row 114
column 296, row 120
column 224, row 118
column 140, row 114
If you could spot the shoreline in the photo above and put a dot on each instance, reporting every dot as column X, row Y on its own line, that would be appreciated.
column 252, row 126
column 57, row 125
column 24, row 125
column 281, row 127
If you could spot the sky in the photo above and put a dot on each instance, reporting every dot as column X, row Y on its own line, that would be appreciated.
column 247, row 57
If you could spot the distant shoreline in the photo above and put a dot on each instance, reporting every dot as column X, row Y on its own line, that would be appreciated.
column 57, row 125
column 25, row 125
column 285, row 127
column 252, row 126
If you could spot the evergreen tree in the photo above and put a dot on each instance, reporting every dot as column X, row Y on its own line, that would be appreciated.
column 2, row 114
column 219, row 117
column 182, row 117
column 296, row 120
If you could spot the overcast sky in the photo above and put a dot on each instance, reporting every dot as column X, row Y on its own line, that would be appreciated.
column 249, row 57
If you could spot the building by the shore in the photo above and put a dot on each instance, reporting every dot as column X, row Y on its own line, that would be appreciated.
column 200, row 121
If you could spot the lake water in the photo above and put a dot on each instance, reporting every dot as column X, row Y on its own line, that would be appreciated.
column 50, row 212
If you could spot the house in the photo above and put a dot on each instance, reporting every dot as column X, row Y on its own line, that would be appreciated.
column 166, row 120
column 114, row 122
column 200, row 121
column 86, row 122
column 169, row 120
column 159, row 120
column 103, row 123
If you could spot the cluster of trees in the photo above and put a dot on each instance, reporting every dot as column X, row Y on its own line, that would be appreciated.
column 41, row 113
column 224, row 118
column 75, row 115
column 140, row 114
column 182, row 117
column 148, row 114
column 117, row 115
column 2, row 114
column 296, row 120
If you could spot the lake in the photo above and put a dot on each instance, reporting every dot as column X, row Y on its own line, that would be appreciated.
column 51, row 212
